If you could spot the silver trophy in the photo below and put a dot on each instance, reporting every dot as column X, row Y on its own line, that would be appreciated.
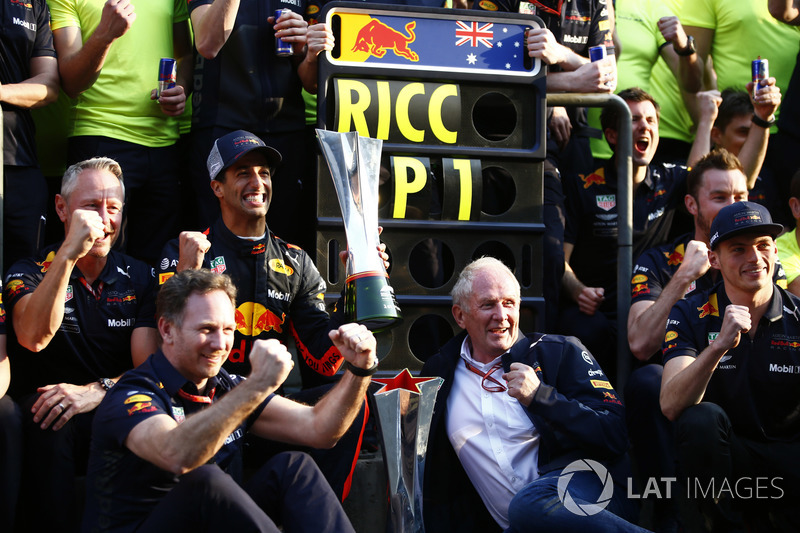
column 355, row 164
column 405, row 409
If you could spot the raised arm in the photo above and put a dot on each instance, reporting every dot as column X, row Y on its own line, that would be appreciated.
column 588, row 299
column 687, row 69
column 322, row 425
column 754, row 149
column 212, row 25
column 685, row 378
column 708, row 108
column 647, row 319
column 37, row 316
column 319, row 38
column 180, row 448
column 80, row 63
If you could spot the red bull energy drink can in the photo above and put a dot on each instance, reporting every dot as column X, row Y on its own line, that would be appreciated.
column 282, row 49
column 760, row 71
column 596, row 53
column 167, row 74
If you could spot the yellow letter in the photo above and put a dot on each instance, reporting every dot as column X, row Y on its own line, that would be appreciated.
column 403, row 121
column 348, row 109
column 464, row 169
column 402, row 186
column 435, row 113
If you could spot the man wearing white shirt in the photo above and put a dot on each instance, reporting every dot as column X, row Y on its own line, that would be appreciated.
column 515, row 410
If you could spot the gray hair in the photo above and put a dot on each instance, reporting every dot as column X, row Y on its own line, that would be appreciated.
column 462, row 290
column 70, row 179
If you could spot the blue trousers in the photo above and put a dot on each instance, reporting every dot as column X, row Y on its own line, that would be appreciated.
column 538, row 507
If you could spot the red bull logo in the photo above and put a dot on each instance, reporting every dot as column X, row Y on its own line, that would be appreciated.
column 252, row 319
column 710, row 307
column 47, row 261
column 376, row 38
column 144, row 407
column 640, row 288
column 676, row 256
column 595, row 178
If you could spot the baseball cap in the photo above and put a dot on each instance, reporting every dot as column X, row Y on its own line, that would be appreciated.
column 742, row 217
column 228, row 148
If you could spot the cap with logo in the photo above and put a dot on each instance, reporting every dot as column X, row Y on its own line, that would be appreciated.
column 742, row 217
column 228, row 148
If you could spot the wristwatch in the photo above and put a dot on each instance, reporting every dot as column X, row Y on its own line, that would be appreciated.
column 689, row 50
column 106, row 383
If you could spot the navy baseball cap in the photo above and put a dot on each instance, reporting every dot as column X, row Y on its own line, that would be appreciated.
column 742, row 217
column 228, row 148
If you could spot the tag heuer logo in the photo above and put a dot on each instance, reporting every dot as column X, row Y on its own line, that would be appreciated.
column 68, row 296
column 712, row 336
column 218, row 265
column 606, row 202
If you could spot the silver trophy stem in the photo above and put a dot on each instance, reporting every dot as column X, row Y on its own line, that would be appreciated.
column 405, row 420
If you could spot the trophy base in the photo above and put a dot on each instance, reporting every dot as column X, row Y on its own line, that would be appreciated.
column 369, row 300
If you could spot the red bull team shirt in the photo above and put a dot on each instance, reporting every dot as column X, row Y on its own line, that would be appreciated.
column 758, row 382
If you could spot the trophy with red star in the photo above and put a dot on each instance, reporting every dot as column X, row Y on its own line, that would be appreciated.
column 405, row 408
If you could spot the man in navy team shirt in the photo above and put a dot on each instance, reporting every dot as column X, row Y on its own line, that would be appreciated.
column 166, row 436
column 732, row 379
column 81, row 315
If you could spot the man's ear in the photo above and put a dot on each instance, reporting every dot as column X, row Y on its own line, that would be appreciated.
column 166, row 329
column 716, row 136
column 216, row 187
column 713, row 259
column 794, row 204
column 691, row 204
column 458, row 314
column 61, row 208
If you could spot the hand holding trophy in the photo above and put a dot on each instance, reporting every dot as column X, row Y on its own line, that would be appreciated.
column 354, row 162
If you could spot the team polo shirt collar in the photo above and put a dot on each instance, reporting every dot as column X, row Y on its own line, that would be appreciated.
column 111, row 273
column 243, row 247
column 173, row 381
column 611, row 175
column 774, row 311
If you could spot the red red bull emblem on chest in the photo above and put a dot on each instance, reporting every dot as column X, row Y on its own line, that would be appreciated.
column 595, row 178
column 377, row 37
column 253, row 318
column 710, row 307
column 676, row 257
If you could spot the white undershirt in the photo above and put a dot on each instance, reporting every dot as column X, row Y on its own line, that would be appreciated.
column 494, row 439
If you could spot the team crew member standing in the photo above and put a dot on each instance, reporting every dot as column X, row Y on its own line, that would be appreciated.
column 28, row 79
column 730, row 356
column 167, row 431
column 81, row 315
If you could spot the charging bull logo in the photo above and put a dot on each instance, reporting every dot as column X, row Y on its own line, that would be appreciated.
column 676, row 257
column 595, row 178
column 376, row 38
column 47, row 261
column 253, row 318
column 710, row 307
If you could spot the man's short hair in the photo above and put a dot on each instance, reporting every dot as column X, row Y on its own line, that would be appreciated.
column 70, row 179
column 735, row 103
column 719, row 159
column 175, row 292
column 609, row 117
column 462, row 289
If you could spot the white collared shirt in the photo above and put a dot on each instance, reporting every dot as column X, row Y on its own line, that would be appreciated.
column 496, row 442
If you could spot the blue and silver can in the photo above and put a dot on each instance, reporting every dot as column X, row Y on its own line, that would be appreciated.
column 596, row 53
column 282, row 49
column 760, row 71
column 167, row 74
